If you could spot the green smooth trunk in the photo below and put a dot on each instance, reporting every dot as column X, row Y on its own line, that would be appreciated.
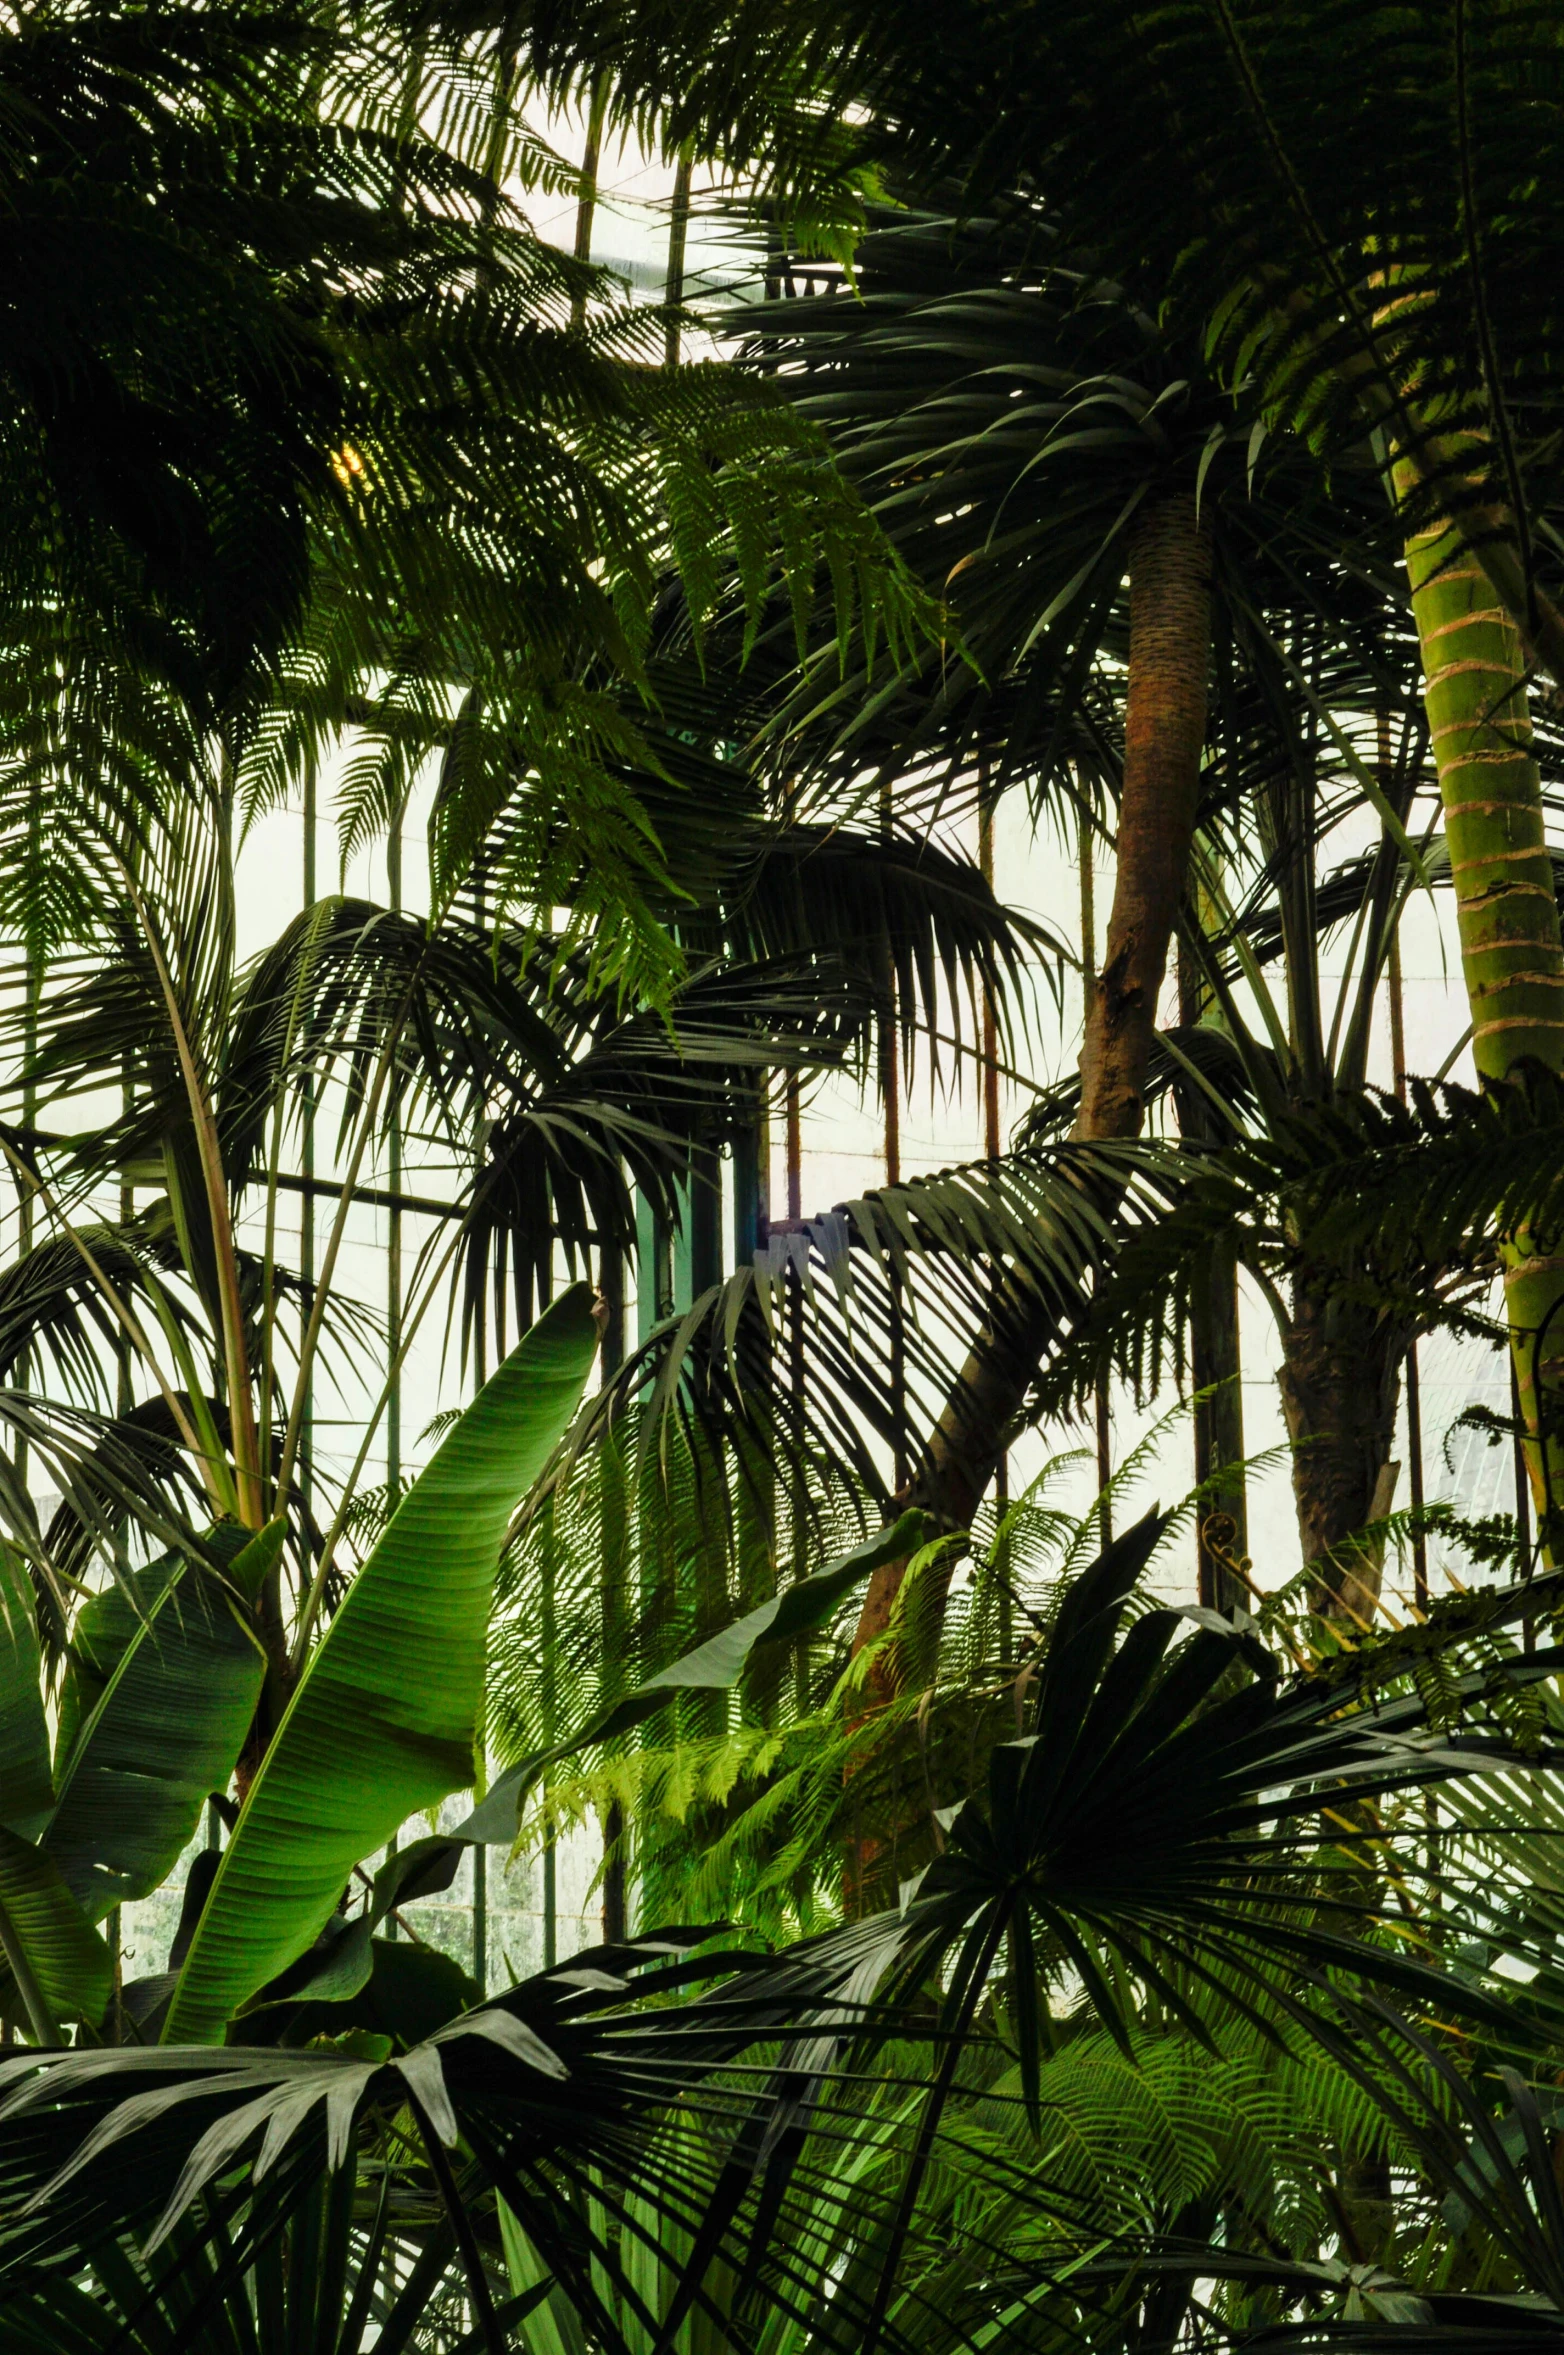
column 1474, row 691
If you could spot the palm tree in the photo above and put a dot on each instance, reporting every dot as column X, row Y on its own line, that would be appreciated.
column 381, row 457
column 1126, row 1843
column 1256, row 1056
column 1010, row 417
column 1155, row 1836
column 159, row 1698
column 1234, row 164
column 562, row 1107
column 1032, row 443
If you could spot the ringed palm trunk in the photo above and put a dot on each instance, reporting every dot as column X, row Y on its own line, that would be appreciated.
column 1164, row 731
column 1339, row 1379
column 1474, row 691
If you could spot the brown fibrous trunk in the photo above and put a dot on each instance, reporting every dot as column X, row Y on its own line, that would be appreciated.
column 1164, row 733
column 1339, row 1379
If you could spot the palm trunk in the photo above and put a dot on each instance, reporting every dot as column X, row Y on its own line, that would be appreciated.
column 1164, row 730
column 1339, row 1377
column 1215, row 1366
column 1474, row 691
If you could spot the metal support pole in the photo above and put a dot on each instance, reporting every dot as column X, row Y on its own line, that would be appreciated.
column 1398, row 1058
column 615, row 1540
column 991, row 1143
column 705, row 1219
column 1088, row 984
column 678, row 234
column 307, row 1198
column 586, row 206
column 394, row 1224
column 890, row 1098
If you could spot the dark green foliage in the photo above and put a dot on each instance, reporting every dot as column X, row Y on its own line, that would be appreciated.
column 1376, row 1193
column 1262, row 172
column 1118, row 2067
column 154, row 1708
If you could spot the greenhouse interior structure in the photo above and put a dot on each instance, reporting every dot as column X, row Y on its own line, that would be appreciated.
column 782, row 1229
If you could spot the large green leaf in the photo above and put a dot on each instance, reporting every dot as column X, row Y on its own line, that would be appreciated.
column 58, row 1966
column 382, row 1723
column 26, row 1789
column 162, row 1690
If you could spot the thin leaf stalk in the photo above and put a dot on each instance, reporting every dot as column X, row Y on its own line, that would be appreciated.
column 269, row 1254
column 243, row 1439
column 461, row 2225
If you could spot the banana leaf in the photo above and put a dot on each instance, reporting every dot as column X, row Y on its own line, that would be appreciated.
column 164, row 1679
column 26, row 1787
column 381, row 1724
column 57, row 1965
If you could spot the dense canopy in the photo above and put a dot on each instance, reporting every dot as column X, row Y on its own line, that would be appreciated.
column 1045, row 602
